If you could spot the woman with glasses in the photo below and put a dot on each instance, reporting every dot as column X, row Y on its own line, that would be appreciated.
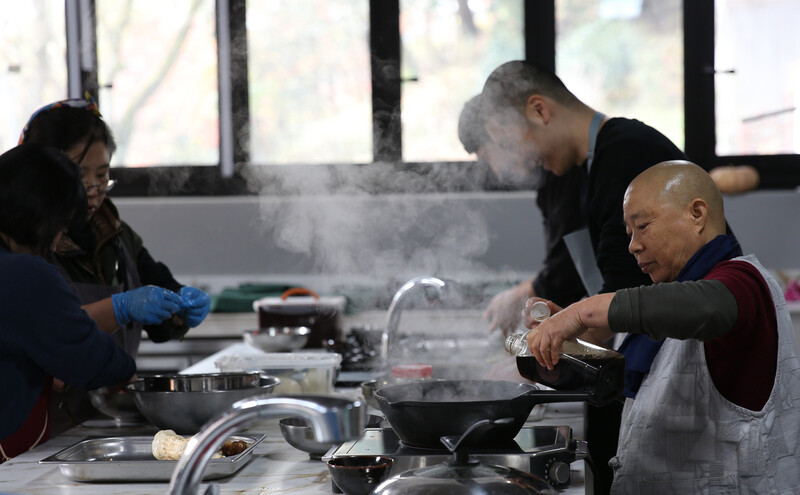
column 44, row 333
column 103, row 256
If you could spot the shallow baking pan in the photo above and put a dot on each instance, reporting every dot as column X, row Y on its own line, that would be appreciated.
column 130, row 459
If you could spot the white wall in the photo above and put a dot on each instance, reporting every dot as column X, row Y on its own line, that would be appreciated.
column 323, row 240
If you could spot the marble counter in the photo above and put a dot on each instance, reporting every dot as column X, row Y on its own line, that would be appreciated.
column 275, row 467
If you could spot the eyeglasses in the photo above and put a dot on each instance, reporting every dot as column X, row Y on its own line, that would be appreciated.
column 102, row 188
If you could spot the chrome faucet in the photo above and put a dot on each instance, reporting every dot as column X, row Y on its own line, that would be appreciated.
column 332, row 418
column 389, row 334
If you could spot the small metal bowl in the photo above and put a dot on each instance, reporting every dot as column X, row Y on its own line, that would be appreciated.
column 278, row 339
column 369, row 387
column 118, row 404
column 185, row 403
column 299, row 435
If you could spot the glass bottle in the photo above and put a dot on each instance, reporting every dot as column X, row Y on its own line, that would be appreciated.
column 582, row 367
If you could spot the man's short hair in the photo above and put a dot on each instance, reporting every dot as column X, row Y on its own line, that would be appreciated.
column 510, row 85
column 472, row 126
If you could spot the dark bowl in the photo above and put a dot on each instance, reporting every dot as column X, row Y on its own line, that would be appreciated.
column 359, row 475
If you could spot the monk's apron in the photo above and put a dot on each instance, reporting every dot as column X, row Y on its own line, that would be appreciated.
column 681, row 436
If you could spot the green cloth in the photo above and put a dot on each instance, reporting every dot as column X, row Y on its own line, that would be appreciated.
column 240, row 299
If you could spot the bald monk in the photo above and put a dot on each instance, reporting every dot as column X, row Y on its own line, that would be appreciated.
column 717, row 412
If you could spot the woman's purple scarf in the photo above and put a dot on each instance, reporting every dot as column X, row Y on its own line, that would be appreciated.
column 639, row 349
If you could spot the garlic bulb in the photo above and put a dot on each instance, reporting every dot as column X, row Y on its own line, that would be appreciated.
column 169, row 446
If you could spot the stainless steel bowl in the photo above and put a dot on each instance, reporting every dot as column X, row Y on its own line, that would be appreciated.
column 117, row 404
column 278, row 339
column 184, row 403
column 369, row 387
column 299, row 435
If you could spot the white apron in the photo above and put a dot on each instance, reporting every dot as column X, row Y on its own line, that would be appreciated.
column 682, row 436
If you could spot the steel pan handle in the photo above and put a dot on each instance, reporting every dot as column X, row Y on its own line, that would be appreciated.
column 532, row 398
column 299, row 291
column 459, row 443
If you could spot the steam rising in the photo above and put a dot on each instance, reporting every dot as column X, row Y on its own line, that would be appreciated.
column 332, row 215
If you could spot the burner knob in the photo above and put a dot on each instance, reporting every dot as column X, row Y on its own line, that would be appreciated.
column 559, row 472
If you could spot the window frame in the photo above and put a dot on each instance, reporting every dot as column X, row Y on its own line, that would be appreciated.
column 777, row 171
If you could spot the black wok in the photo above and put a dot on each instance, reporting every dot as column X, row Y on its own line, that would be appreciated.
column 424, row 411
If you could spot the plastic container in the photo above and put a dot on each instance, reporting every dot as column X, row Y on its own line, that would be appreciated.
column 409, row 372
column 299, row 372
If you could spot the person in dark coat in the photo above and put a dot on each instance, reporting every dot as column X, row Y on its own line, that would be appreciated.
column 103, row 257
column 558, row 280
column 530, row 113
column 44, row 332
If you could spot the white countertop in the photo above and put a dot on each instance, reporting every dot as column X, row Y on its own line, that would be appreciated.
column 276, row 467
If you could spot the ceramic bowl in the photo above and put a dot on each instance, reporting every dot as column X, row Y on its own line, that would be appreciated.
column 359, row 475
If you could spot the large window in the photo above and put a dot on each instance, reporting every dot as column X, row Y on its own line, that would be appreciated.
column 33, row 71
column 757, row 77
column 449, row 47
column 309, row 81
column 624, row 58
column 157, row 72
column 337, row 83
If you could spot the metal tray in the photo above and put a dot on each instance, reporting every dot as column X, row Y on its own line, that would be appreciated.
column 130, row 459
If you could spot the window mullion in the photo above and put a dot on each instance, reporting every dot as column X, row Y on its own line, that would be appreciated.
column 384, row 20
column 540, row 32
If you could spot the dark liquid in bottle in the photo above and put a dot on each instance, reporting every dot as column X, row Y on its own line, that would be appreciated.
column 601, row 378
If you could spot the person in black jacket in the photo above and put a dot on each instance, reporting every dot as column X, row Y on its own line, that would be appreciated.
column 557, row 280
column 531, row 114
column 103, row 257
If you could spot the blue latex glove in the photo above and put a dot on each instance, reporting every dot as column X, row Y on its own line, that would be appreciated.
column 148, row 305
column 196, row 303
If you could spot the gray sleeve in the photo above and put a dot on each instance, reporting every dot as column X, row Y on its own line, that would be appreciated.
column 701, row 310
